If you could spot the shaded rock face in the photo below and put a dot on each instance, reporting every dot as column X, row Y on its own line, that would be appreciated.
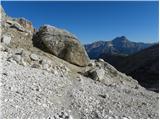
column 142, row 66
column 62, row 44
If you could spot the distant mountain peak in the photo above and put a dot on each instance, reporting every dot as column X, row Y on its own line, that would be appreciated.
column 121, row 39
column 119, row 45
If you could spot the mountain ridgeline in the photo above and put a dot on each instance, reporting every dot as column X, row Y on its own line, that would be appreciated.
column 139, row 60
column 120, row 46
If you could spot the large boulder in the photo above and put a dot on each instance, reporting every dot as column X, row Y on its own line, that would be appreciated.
column 62, row 44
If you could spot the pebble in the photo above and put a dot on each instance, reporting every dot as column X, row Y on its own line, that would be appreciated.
column 17, row 58
column 34, row 57
column 35, row 66
column 100, row 60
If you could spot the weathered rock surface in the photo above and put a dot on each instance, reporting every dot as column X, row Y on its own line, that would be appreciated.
column 97, row 74
column 15, row 25
column 6, row 39
column 18, row 35
column 62, row 44
column 26, row 24
column 34, row 57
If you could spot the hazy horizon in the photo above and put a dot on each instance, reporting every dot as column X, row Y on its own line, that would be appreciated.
column 92, row 21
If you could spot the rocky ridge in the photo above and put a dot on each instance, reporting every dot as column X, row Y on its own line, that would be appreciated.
column 39, row 84
column 119, row 46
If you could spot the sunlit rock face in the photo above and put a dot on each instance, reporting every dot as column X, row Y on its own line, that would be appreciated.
column 62, row 44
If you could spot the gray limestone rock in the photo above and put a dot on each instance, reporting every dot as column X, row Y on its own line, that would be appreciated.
column 34, row 57
column 97, row 74
column 62, row 44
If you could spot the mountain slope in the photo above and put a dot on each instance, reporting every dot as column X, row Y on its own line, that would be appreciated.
column 142, row 66
column 30, row 92
column 118, row 46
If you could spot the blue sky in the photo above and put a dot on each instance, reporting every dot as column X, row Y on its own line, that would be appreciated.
column 92, row 21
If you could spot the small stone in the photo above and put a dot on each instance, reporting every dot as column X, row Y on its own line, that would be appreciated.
column 19, row 51
column 34, row 57
column 13, row 89
column 37, row 89
column 6, row 39
column 65, row 114
column 66, row 68
column 23, row 63
column 1, row 84
column 102, row 96
column 4, row 74
column 5, row 100
column 16, row 106
column 44, row 105
column 101, row 60
column 56, row 116
column 66, row 117
column 97, row 74
column 61, row 75
column 16, row 58
column 54, row 71
column 136, row 87
column 98, row 64
column 39, row 103
column 2, row 48
column 70, row 117
column 35, row 66
column 45, row 66
column 92, row 64
column 45, row 61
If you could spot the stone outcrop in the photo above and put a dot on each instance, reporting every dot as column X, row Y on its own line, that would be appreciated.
column 2, row 13
column 26, row 24
column 15, row 32
column 62, row 44
column 15, row 25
